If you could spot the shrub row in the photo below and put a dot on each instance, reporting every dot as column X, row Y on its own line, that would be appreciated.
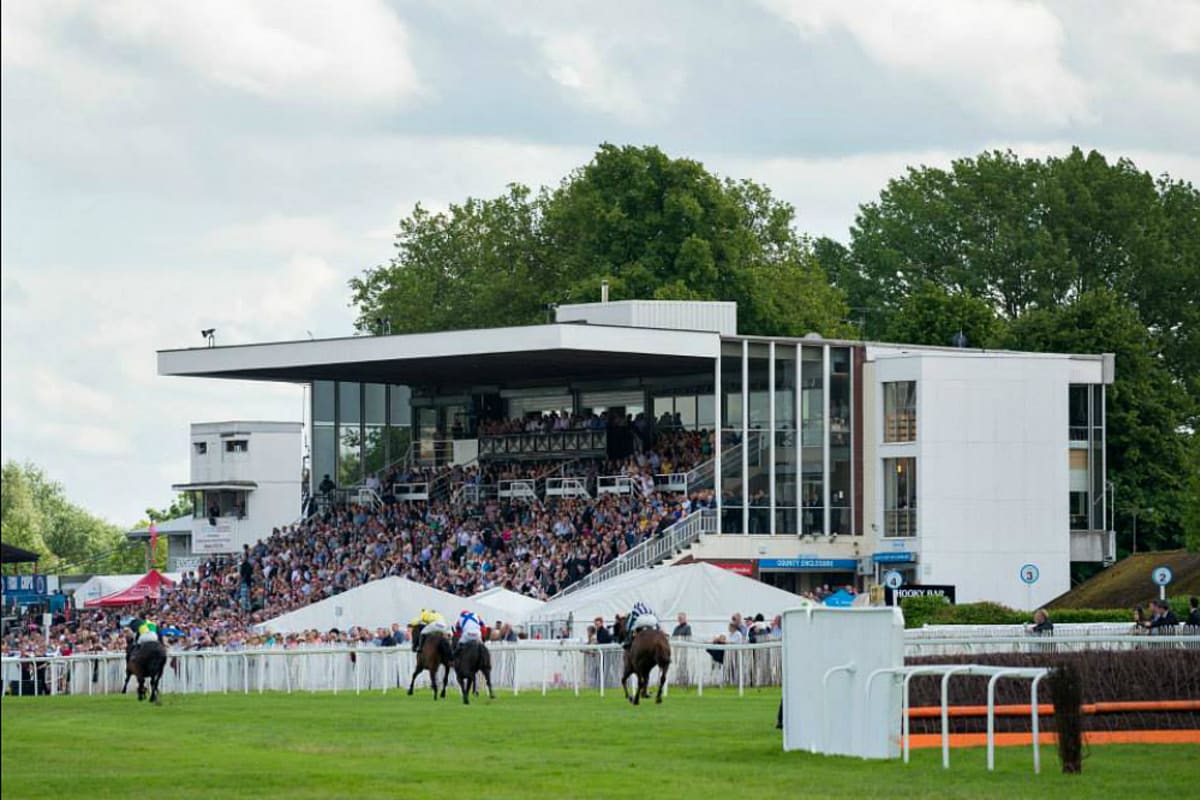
column 919, row 611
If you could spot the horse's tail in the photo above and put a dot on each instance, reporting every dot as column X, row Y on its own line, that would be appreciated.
column 445, row 651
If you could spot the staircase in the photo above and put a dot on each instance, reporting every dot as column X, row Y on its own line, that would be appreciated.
column 652, row 551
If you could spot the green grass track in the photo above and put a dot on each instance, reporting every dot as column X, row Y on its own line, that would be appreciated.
column 715, row 747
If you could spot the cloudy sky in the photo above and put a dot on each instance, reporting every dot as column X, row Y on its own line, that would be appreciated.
column 170, row 165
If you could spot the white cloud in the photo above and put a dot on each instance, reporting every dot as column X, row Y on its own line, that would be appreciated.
column 350, row 54
column 593, row 76
column 1004, row 58
column 277, row 233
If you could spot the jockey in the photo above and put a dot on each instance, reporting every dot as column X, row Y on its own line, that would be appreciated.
column 428, row 621
column 470, row 628
column 639, row 618
column 143, row 631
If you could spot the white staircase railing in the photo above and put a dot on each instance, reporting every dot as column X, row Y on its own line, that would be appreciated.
column 652, row 551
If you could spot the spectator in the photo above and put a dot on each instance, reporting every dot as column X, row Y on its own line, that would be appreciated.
column 603, row 634
column 1041, row 623
column 1193, row 618
column 683, row 630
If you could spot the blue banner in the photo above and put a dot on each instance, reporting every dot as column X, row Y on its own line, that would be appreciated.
column 817, row 564
column 901, row 557
column 25, row 584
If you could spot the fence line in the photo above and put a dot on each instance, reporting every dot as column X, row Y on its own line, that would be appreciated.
column 517, row 667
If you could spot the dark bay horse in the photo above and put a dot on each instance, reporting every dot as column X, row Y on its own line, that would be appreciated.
column 146, row 662
column 470, row 659
column 433, row 653
column 651, row 648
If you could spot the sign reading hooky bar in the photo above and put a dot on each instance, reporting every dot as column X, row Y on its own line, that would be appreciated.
column 925, row 590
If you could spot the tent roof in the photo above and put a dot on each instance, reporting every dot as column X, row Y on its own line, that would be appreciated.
column 702, row 590
column 148, row 585
column 16, row 555
column 516, row 604
column 378, row 604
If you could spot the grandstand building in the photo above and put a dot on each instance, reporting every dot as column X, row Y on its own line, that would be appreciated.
column 835, row 460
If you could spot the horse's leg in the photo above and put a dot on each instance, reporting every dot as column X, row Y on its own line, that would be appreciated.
column 487, row 677
column 128, row 675
column 445, row 677
column 141, row 688
column 413, row 683
column 433, row 680
column 464, row 684
column 639, row 687
column 662, row 679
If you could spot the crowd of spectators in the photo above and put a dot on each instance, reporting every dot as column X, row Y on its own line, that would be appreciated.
column 529, row 546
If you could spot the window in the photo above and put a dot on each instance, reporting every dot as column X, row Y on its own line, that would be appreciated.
column 900, row 497
column 900, row 411
column 237, row 446
column 201, row 448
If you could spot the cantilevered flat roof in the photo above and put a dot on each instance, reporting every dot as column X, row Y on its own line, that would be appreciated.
column 493, row 356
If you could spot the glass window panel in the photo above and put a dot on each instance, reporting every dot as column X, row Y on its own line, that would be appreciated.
column 324, row 454
column 375, row 448
column 322, row 401
column 900, row 497
column 349, row 408
column 685, row 411
column 399, row 405
column 349, row 455
column 785, row 388
column 812, row 397
column 375, row 400
column 731, row 484
column 731, row 387
column 705, row 411
column 900, row 411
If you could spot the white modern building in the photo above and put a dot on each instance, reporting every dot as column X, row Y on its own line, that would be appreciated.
column 245, row 482
column 838, row 460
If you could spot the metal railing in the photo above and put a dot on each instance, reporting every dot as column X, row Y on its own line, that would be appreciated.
column 408, row 492
column 614, row 484
column 528, row 665
column 653, row 550
column 555, row 443
column 518, row 488
column 567, row 487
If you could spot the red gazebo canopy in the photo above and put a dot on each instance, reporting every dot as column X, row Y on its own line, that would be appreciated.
column 148, row 586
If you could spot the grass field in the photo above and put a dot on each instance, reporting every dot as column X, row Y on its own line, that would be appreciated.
column 303, row 746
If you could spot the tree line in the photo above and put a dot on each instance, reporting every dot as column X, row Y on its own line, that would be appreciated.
column 1073, row 254
column 36, row 515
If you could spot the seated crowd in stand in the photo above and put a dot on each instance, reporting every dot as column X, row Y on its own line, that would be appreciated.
column 532, row 547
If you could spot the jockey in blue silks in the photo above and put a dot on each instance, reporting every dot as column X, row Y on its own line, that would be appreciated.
column 640, row 617
column 470, row 628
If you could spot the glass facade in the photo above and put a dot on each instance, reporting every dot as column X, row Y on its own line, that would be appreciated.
column 787, row 440
column 357, row 429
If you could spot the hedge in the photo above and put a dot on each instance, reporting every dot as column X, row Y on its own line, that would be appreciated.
column 933, row 610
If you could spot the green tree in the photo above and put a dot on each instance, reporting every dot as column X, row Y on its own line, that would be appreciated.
column 1191, row 497
column 654, row 227
column 38, row 517
column 932, row 315
column 1148, row 460
column 1029, row 234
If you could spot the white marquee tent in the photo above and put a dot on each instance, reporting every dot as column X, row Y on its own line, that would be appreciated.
column 709, row 595
column 99, row 586
column 518, row 606
column 378, row 604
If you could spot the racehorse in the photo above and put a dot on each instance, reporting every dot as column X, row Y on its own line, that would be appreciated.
column 434, row 652
column 146, row 662
column 472, row 658
column 650, row 649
